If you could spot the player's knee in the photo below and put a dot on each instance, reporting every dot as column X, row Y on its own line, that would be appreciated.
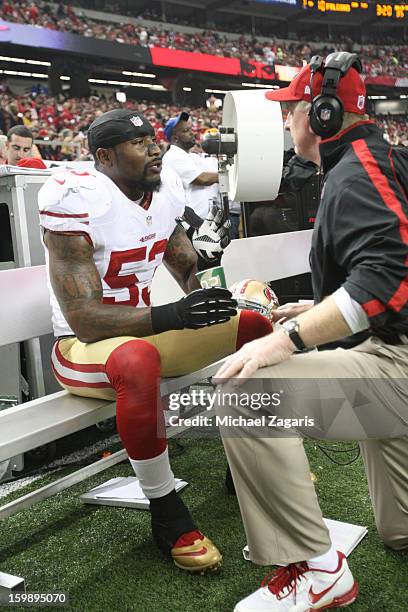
column 136, row 361
column 394, row 538
column 252, row 325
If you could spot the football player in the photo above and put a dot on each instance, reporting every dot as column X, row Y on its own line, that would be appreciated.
column 105, row 232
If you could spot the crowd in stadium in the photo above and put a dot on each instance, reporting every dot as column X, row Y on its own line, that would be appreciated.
column 377, row 59
column 395, row 128
column 66, row 120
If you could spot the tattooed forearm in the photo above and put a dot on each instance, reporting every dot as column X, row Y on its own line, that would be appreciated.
column 78, row 289
column 74, row 277
column 181, row 259
column 111, row 320
column 179, row 252
column 73, row 287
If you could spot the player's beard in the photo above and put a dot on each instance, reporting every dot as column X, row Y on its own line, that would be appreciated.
column 147, row 184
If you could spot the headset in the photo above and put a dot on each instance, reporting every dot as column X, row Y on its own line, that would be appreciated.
column 326, row 114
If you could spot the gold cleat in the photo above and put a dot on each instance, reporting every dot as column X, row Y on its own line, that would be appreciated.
column 198, row 556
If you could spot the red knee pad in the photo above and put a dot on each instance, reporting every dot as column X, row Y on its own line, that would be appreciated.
column 134, row 372
column 252, row 325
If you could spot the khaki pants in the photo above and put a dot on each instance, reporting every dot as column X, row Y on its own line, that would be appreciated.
column 277, row 499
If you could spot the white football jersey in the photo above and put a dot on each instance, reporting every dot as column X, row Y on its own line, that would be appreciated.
column 189, row 166
column 129, row 238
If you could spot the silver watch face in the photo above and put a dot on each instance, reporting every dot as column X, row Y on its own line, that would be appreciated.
column 291, row 326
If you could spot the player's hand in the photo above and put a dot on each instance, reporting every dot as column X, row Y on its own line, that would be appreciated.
column 209, row 236
column 289, row 311
column 200, row 308
column 269, row 350
column 205, row 307
column 213, row 236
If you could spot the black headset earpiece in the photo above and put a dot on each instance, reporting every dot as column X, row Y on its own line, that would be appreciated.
column 316, row 64
column 326, row 113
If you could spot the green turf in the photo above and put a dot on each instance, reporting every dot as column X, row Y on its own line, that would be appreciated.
column 103, row 557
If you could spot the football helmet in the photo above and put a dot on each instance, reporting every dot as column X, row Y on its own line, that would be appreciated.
column 255, row 295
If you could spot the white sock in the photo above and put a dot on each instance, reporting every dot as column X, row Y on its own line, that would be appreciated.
column 328, row 561
column 155, row 475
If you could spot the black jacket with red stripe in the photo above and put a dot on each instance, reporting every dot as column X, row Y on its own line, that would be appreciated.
column 360, row 239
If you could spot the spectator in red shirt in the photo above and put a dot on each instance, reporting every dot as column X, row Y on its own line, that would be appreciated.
column 33, row 13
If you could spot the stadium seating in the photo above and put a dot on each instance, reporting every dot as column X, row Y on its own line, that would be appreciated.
column 391, row 60
column 66, row 121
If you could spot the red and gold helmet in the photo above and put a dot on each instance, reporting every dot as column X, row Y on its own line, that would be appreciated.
column 255, row 295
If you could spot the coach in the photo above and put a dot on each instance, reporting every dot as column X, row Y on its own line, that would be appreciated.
column 359, row 260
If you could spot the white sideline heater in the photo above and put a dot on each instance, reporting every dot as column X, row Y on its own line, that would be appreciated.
column 249, row 146
column 256, row 170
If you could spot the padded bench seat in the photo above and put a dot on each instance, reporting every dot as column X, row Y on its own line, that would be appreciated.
column 46, row 419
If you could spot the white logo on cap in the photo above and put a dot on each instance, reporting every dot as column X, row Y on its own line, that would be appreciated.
column 325, row 114
column 361, row 102
column 137, row 121
column 307, row 89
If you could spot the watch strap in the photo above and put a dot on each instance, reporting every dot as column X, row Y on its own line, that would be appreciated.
column 297, row 340
column 291, row 329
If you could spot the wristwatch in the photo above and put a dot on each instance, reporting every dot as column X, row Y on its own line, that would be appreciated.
column 291, row 329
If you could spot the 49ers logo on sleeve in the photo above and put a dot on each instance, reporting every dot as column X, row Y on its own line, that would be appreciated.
column 115, row 280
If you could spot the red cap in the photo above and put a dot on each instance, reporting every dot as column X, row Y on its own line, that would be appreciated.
column 351, row 90
column 32, row 162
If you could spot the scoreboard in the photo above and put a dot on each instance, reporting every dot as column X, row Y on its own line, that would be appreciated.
column 335, row 7
column 387, row 10
column 399, row 11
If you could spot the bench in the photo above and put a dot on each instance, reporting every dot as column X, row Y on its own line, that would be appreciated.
column 25, row 314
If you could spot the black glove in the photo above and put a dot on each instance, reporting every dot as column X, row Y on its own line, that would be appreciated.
column 198, row 309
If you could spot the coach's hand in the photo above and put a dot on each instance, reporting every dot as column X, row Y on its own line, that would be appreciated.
column 266, row 351
column 289, row 311
column 200, row 308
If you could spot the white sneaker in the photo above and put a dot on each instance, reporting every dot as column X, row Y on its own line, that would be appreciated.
column 298, row 588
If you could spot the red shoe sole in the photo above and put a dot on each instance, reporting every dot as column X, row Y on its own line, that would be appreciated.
column 341, row 602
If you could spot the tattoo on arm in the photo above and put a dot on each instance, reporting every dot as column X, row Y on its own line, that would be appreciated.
column 180, row 259
column 78, row 289
column 73, row 273
column 76, row 286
